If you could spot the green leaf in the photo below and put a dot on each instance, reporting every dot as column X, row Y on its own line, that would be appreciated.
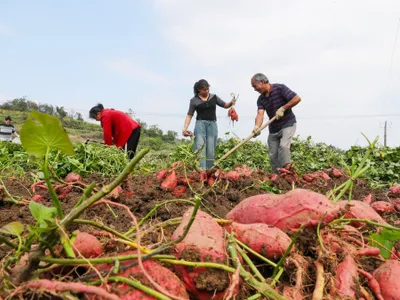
column 13, row 228
column 44, row 215
column 41, row 132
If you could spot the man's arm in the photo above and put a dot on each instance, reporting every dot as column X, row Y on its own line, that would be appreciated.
column 259, row 118
column 292, row 102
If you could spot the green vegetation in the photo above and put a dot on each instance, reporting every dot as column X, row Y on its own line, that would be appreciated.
column 383, row 163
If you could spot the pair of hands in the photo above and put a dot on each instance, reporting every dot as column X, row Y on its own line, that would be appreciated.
column 278, row 115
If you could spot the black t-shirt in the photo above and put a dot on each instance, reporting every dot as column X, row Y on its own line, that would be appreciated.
column 206, row 110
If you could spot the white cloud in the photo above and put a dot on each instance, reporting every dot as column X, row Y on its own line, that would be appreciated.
column 136, row 70
column 335, row 54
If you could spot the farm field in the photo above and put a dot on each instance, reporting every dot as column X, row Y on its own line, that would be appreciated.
column 72, row 223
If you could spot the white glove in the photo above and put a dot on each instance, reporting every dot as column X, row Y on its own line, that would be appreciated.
column 279, row 113
column 256, row 131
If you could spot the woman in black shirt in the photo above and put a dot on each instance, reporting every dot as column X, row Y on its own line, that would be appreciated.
column 205, row 130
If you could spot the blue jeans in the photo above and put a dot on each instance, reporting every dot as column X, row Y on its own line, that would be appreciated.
column 205, row 138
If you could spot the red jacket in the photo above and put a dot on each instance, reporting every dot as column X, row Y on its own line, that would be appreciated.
column 117, row 127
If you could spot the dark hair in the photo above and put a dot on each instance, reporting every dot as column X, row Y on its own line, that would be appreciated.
column 201, row 84
column 95, row 110
column 8, row 118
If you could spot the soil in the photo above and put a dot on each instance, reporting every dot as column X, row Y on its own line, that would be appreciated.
column 142, row 193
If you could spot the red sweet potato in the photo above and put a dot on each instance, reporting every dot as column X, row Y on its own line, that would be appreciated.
column 243, row 170
column 38, row 198
column 347, row 277
column 309, row 177
column 388, row 275
column 396, row 203
column 88, row 245
column 266, row 240
column 383, row 207
column 286, row 211
column 232, row 175
column 395, row 189
column 170, row 182
column 179, row 191
column 359, row 210
column 72, row 178
column 161, row 275
column 161, row 174
column 336, row 173
column 368, row 199
column 369, row 251
column 204, row 242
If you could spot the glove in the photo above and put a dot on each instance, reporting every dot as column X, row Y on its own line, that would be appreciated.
column 279, row 113
column 256, row 131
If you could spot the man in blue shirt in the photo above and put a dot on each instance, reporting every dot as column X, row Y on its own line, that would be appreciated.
column 277, row 100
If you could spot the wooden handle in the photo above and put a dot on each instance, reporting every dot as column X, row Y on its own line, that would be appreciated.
column 243, row 142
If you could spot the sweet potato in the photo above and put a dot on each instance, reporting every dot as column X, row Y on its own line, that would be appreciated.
column 264, row 239
column 232, row 175
column 161, row 275
column 383, row 207
column 287, row 211
column 88, row 245
column 387, row 276
column 243, row 170
column 179, row 191
column 347, row 277
column 395, row 189
column 205, row 243
column 369, row 251
column 38, row 198
column 368, row 199
column 396, row 203
column 72, row 178
column 359, row 210
column 161, row 174
column 170, row 182
column 336, row 173
column 309, row 177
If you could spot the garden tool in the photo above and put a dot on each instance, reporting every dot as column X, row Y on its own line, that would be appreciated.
column 243, row 142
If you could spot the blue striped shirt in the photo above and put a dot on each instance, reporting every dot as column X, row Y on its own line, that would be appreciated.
column 278, row 96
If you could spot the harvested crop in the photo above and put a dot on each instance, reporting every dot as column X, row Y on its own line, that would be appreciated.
column 396, row 203
column 38, row 198
column 203, row 243
column 87, row 245
column 170, row 182
column 347, row 277
column 232, row 175
column 369, row 251
column 73, row 178
column 179, row 191
column 359, row 210
column 383, row 207
column 286, row 211
column 264, row 239
column 161, row 174
column 387, row 276
column 368, row 199
column 161, row 275
column 395, row 189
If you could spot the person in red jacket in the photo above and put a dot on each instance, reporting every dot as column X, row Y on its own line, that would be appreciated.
column 118, row 128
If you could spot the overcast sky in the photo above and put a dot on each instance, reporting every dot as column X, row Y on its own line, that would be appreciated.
column 341, row 57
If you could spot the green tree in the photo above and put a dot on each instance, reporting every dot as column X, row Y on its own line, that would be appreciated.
column 170, row 136
column 154, row 131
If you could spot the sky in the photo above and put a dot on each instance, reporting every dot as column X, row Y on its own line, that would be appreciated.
column 342, row 57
